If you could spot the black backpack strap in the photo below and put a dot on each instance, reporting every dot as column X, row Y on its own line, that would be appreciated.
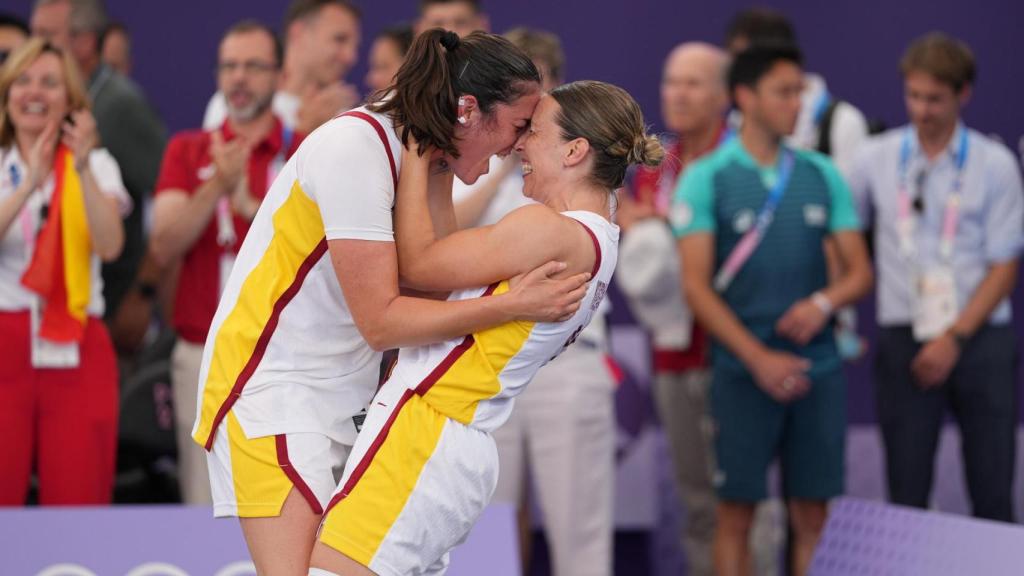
column 825, row 128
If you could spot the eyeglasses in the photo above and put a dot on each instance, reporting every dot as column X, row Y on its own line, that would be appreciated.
column 249, row 67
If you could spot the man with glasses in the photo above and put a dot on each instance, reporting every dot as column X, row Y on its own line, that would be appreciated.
column 321, row 45
column 948, row 215
column 210, row 186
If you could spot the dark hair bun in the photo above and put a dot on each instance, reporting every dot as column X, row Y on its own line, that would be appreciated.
column 450, row 40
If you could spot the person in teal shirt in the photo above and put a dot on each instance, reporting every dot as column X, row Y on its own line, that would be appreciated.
column 752, row 219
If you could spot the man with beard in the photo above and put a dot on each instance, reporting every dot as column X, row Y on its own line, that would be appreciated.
column 210, row 187
column 321, row 40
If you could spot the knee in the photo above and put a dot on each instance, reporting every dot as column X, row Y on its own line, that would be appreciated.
column 734, row 518
column 808, row 517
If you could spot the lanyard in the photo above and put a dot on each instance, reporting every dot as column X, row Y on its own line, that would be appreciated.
column 906, row 223
column 820, row 106
column 752, row 239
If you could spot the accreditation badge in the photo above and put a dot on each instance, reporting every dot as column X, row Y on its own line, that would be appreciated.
column 935, row 307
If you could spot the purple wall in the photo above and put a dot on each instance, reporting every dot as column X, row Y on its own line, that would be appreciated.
column 856, row 45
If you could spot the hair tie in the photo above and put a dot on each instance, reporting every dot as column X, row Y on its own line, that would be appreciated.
column 450, row 40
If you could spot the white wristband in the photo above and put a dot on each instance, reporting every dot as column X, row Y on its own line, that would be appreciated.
column 822, row 302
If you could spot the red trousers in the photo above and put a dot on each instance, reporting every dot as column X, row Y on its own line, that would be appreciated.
column 62, row 420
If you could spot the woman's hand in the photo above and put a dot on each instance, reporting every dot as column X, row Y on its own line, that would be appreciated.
column 81, row 137
column 40, row 156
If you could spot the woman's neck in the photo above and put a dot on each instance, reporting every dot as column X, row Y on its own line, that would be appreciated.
column 584, row 196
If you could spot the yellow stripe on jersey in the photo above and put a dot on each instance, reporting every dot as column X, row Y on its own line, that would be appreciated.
column 473, row 376
column 359, row 520
column 298, row 234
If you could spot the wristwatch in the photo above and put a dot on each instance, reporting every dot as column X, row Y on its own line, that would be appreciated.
column 822, row 302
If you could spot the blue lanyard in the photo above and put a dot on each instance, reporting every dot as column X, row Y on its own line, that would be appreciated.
column 819, row 108
column 752, row 239
column 905, row 222
column 785, row 170
column 907, row 150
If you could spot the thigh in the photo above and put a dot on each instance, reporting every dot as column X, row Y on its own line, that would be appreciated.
column 572, row 459
column 510, row 441
column 253, row 477
column 78, row 424
column 984, row 399
column 910, row 417
column 748, row 428
column 186, row 363
column 905, row 410
column 682, row 400
column 415, row 484
column 282, row 545
column 814, row 441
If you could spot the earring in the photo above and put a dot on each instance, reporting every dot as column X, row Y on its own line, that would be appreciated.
column 462, row 101
column 462, row 119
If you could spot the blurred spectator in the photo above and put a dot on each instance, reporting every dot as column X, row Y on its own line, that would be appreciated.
column 386, row 56
column 13, row 33
column 60, row 197
column 460, row 16
column 948, row 216
column 116, row 49
column 826, row 123
column 321, row 39
column 129, row 128
column 694, row 101
column 562, row 431
column 210, row 187
column 753, row 217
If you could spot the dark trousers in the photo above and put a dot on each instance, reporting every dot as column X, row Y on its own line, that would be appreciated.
column 982, row 394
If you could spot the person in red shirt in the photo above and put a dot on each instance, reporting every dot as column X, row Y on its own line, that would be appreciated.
column 694, row 101
column 210, row 187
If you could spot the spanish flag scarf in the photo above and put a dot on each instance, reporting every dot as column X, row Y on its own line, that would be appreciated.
column 59, row 269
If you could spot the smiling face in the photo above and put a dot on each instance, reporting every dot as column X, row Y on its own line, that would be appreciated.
column 484, row 136
column 247, row 73
column 38, row 96
column 542, row 150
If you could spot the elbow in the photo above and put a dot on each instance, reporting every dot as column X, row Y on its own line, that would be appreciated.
column 160, row 247
column 867, row 280
column 111, row 248
column 693, row 292
column 378, row 337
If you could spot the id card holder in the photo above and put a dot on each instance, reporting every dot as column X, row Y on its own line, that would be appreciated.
column 227, row 262
column 46, row 353
column 935, row 307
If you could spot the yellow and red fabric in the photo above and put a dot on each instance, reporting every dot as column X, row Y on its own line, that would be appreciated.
column 59, row 269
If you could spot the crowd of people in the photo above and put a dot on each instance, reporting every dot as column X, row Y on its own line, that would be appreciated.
column 744, row 238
